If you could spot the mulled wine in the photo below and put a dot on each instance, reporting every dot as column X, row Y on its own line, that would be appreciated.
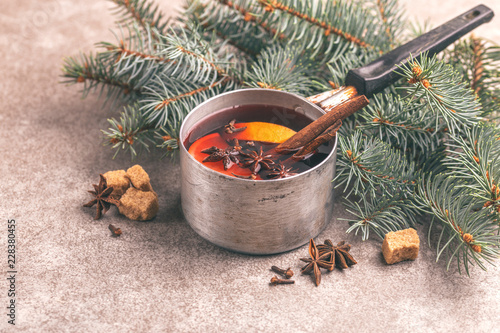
column 240, row 141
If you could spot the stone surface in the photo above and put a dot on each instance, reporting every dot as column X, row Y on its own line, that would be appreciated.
column 400, row 245
column 139, row 205
column 160, row 276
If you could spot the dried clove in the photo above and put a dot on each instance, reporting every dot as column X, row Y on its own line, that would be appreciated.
column 230, row 128
column 275, row 281
column 287, row 273
column 116, row 232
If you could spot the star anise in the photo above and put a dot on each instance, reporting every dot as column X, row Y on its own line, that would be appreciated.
column 255, row 161
column 315, row 262
column 280, row 171
column 235, row 145
column 227, row 156
column 339, row 255
column 103, row 200
column 230, row 129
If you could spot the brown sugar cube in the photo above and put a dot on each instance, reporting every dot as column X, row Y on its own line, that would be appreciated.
column 139, row 178
column 138, row 205
column 400, row 245
column 118, row 180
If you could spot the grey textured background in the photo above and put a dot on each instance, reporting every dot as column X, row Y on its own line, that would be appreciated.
column 160, row 275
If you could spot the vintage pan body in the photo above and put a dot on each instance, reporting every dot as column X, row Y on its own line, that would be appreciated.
column 256, row 217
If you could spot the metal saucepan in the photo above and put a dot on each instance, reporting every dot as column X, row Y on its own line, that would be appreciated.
column 273, row 216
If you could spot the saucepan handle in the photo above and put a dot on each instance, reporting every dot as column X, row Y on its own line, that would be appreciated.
column 377, row 75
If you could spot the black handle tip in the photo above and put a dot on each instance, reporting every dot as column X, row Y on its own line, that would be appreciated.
column 379, row 74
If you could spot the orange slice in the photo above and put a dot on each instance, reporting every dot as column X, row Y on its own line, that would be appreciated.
column 264, row 132
column 211, row 140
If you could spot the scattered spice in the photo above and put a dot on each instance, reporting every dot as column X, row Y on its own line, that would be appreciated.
column 315, row 262
column 287, row 273
column 327, row 256
column 281, row 171
column 235, row 145
column 275, row 281
column 228, row 156
column 116, row 232
column 103, row 199
column 255, row 161
column 339, row 255
column 230, row 129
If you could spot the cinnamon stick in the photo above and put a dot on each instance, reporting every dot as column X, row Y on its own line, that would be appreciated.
column 317, row 127
column 326, row 136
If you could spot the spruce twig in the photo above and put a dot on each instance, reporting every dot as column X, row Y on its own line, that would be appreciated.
column 145, row 13
column 467, row 236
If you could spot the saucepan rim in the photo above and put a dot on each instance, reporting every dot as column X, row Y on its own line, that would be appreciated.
column 210, row 100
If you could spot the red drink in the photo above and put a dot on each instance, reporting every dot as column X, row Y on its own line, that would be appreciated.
column 228, row 147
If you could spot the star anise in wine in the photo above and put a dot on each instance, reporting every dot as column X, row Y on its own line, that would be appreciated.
column 235, row 145
column 230, row 129
column 339, row 255
column 102, row 199
column 255, row 161
column 315, row 262
column 227, row 156
column 280, row 171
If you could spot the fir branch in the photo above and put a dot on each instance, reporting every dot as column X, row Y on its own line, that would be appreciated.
column 369, row 165
column 467, row 236
column 123, row 52
column 169, row 99
column 192, row 53
column 476, row 159
column 174, row 53
column 135, row 55
column 392, row 19
column 130, row 133
column 417, row 28
column 478, row 67
column 94, row 74
column 407, row 127
column 248, row 13
column 381, row 6
column 340, row 64
column 142, row 12
column 486, row 74
column 304, row 12
column 282, row 69
column 478, row 61
column 230, row 26
column 169, row 138
column 380, row 215
column 441, row 88
column 165, row 102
